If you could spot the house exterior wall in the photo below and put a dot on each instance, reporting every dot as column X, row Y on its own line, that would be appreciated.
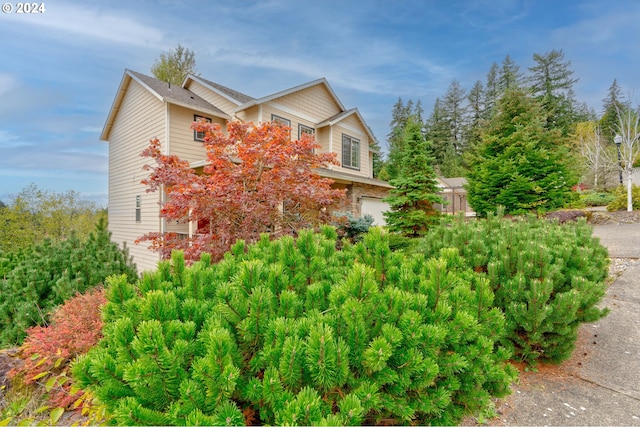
column 358, row 191
column 313, row 104
column 141, row 116
column 182, row 142
column 352, row 127
column 140, row 119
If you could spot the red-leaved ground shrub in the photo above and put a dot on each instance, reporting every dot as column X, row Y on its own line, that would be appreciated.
column 48, row 351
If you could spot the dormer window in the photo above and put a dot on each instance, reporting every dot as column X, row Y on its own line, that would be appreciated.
column 197, row 135
column 350, row 152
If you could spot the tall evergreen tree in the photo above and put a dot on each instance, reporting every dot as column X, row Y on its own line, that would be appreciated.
column 475, row 114
column 455, row 109
column 492, row 91
column 437, row 132
column 551, row 82
column 395, row 139
column 509, row 76
column 612, row 103
column 413, row 198
column 520, row 164
column 446, row 131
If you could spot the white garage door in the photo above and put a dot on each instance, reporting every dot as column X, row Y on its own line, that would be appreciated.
column 374, row 207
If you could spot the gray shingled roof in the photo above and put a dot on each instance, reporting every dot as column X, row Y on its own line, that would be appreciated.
column 238, row 96
column 178, row 95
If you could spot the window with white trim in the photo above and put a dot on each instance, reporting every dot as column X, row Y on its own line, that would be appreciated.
column 350, row 152
column 280, row 120
column 302, row 129
column 199, row 136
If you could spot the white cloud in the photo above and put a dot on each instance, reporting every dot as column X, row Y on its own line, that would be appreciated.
column 93, row 22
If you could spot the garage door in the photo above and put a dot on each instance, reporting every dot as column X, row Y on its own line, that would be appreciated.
column 374, row 207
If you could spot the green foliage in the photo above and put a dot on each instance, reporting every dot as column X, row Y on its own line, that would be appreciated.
column 34, row 215
column 353, row 228
column 416, row 187
column 620, row 201
column 520, row 164
column 174, row 66
column 594, row 198
column 37, row 279
column 547, row 278
column 295, row 332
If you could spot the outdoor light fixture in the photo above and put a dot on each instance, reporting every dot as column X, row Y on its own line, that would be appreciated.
column 618, row 140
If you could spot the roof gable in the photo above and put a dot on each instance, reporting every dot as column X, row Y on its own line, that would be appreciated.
column 164, row 92
column 343, row 115
column 321, row 81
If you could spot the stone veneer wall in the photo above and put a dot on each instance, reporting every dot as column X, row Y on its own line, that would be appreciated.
column 355, row 191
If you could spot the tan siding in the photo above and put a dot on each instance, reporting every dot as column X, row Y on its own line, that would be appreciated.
column 212, row 97
column 251, row 114
column 181, row 141
column 141, row 118
column 322, row 138
column 351, row 126
column 315, row 102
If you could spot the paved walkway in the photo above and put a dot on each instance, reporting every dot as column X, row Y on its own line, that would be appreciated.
column 600, row 384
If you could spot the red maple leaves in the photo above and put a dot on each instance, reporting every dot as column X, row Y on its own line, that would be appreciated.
column 256, row 180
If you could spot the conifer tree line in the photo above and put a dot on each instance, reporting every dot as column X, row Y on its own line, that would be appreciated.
column 462, row 120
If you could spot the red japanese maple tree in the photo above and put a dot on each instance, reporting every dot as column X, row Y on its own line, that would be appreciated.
column 256, row 180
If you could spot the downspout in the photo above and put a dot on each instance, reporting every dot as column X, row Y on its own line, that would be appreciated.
column 166, row 150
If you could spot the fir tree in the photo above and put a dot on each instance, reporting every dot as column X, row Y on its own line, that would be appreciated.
column 477, row 105
column 509, row 76
column 520, row 164
column 551, row 83
column 399, row 117
column 415, row 193
column 612, row 103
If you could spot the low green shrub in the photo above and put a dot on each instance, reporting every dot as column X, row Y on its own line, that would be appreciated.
column 295, row 332
column 592, row 198
column 547, row 277
column 620, row 202
column 37, row 279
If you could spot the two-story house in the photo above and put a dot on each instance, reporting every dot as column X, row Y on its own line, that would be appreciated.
column 145, row 108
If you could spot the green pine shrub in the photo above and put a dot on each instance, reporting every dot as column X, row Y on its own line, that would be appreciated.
column 37, row 279
column 620, row 201
column 547, row 277
column 295, row 332
column 593, row 198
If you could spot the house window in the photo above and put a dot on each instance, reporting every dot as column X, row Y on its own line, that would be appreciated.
column 280, row 120
column 302, row 129
column 199, row 136
column 138, row 208
column 350, row 152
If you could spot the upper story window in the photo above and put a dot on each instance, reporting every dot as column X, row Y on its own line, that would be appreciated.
column 281, row 120
column 350, row 152
column 199, row 136
column 302, row 129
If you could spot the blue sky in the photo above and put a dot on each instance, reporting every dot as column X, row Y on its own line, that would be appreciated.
column 59, row 70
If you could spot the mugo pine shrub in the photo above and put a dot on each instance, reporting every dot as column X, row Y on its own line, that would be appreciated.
column 37, row 279
column 547, row 277
column 295, row 332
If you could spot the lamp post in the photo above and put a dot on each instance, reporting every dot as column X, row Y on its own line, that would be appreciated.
column 618, row 140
